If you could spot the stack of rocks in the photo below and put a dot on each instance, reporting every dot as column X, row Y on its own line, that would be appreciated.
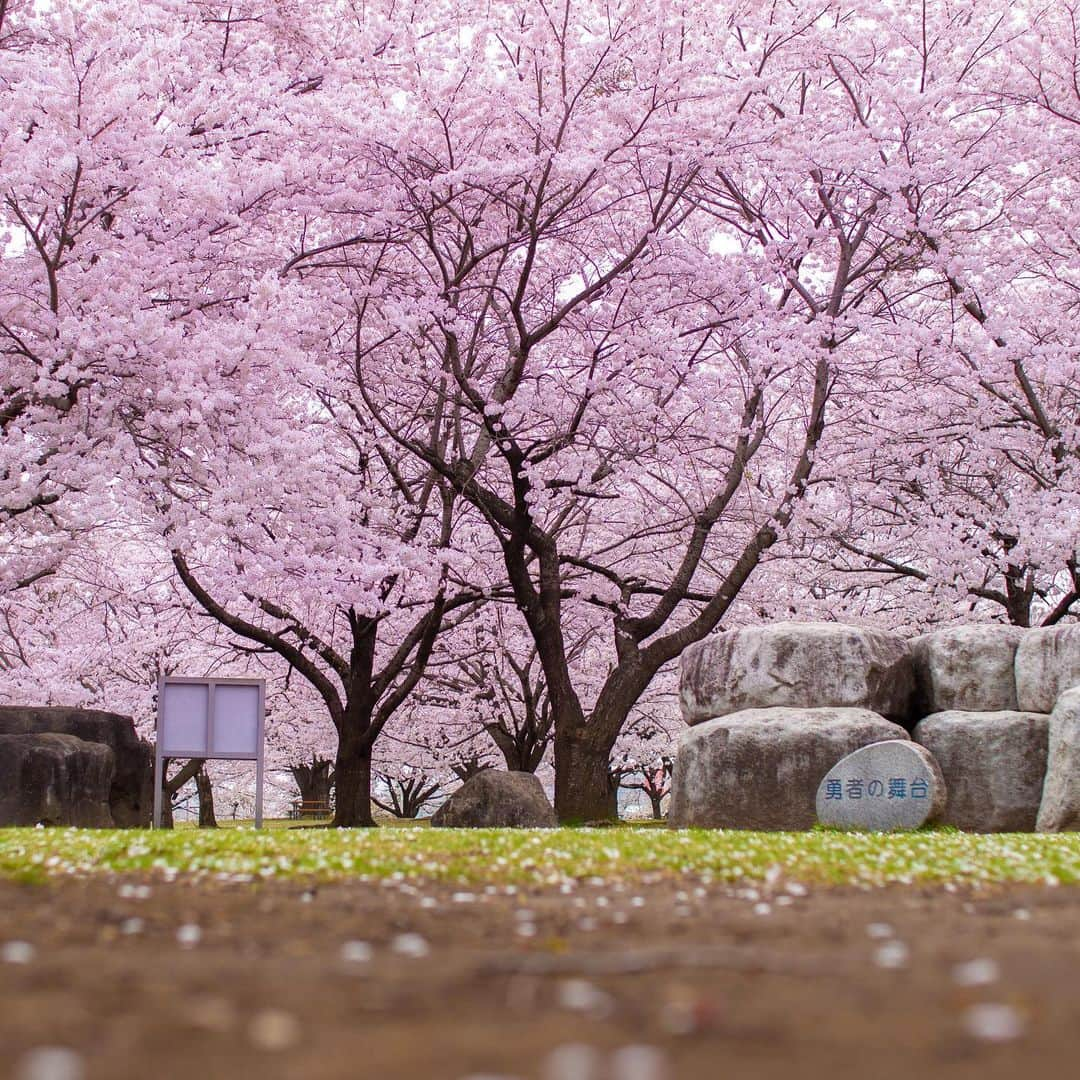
column 66, row 766
column 990, row 747
column 1004, row 724
column 774, row 709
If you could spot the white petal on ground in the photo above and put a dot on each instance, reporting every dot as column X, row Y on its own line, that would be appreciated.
column 892, row 955
column 188, row 936
column 17, row 952
column 411, row 945
column 573, row 1061
column 50, row 1063
column 357, row 952
column 580, row 995
column 639, row 1063
column 981, row 972
column 992, row 1022
column 274, row 1030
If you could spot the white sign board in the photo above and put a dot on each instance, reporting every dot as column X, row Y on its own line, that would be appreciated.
column 184, row 723
column 210, row 718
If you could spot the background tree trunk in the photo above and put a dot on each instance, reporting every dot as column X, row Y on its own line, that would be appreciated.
column 314, row 781
column 522, row 750
column 207, row 817
column 469, row 767
column 408, row 797
column 171, row 786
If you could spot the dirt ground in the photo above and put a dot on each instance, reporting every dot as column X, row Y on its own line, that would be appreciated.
column 236, row 979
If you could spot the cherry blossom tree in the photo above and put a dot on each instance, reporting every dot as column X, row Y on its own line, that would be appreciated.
column 961, row 470
column 263, row 573
column 649, row 322
column 285, row 521
column 640, row 327
column 407, row 781
column 643, row 758
column 64, row 150
column 99, row 141
column 490, row 673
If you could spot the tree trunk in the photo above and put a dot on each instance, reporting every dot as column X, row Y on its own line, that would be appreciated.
column 414, row 795
column 314, row 781
column 583, row 787
column 523, row 750
column 207, row 817
column 171, row 786
column 656, row 798
column 1019, row 594
column 352, row 778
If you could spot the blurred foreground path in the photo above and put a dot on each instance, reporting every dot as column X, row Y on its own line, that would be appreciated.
column 613, row 981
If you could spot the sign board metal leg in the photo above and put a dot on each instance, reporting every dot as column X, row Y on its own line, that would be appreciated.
column 260, row 756
column 158, row 778
column 259, row 794
column 158, row 784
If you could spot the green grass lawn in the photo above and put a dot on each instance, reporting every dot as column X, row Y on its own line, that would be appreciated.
column 543, row 857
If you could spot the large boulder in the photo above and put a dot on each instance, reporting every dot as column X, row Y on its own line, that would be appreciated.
column 132, row 793
column 760, row 768
column 494, row 799
column 797, row 665
column 1047, row 664
column 993, row 764
column 1060, row 807
column 55, row 780
column 966, row 667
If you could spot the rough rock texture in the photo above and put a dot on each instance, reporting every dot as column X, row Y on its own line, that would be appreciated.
column 760, row 768
column 497, row 799
column 55, row 779
column 1047, row 664
column 966, row 667
column 797, row 665
column 993, row 764
column 1059, row 809
column 132, row 794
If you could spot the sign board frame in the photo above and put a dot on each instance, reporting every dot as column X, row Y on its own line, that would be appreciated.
column 189, row 745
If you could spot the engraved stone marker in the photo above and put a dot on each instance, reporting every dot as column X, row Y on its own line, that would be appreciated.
column 888, row 785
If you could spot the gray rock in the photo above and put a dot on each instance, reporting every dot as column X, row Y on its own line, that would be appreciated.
column 55, row 779
column 797, row 665
column 993, row 764
column 1060, row 807
column 497, row 799
column 966, row 667
column 889, row 785
column 132, row 794
column 760, row 768
column 1047, row 664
